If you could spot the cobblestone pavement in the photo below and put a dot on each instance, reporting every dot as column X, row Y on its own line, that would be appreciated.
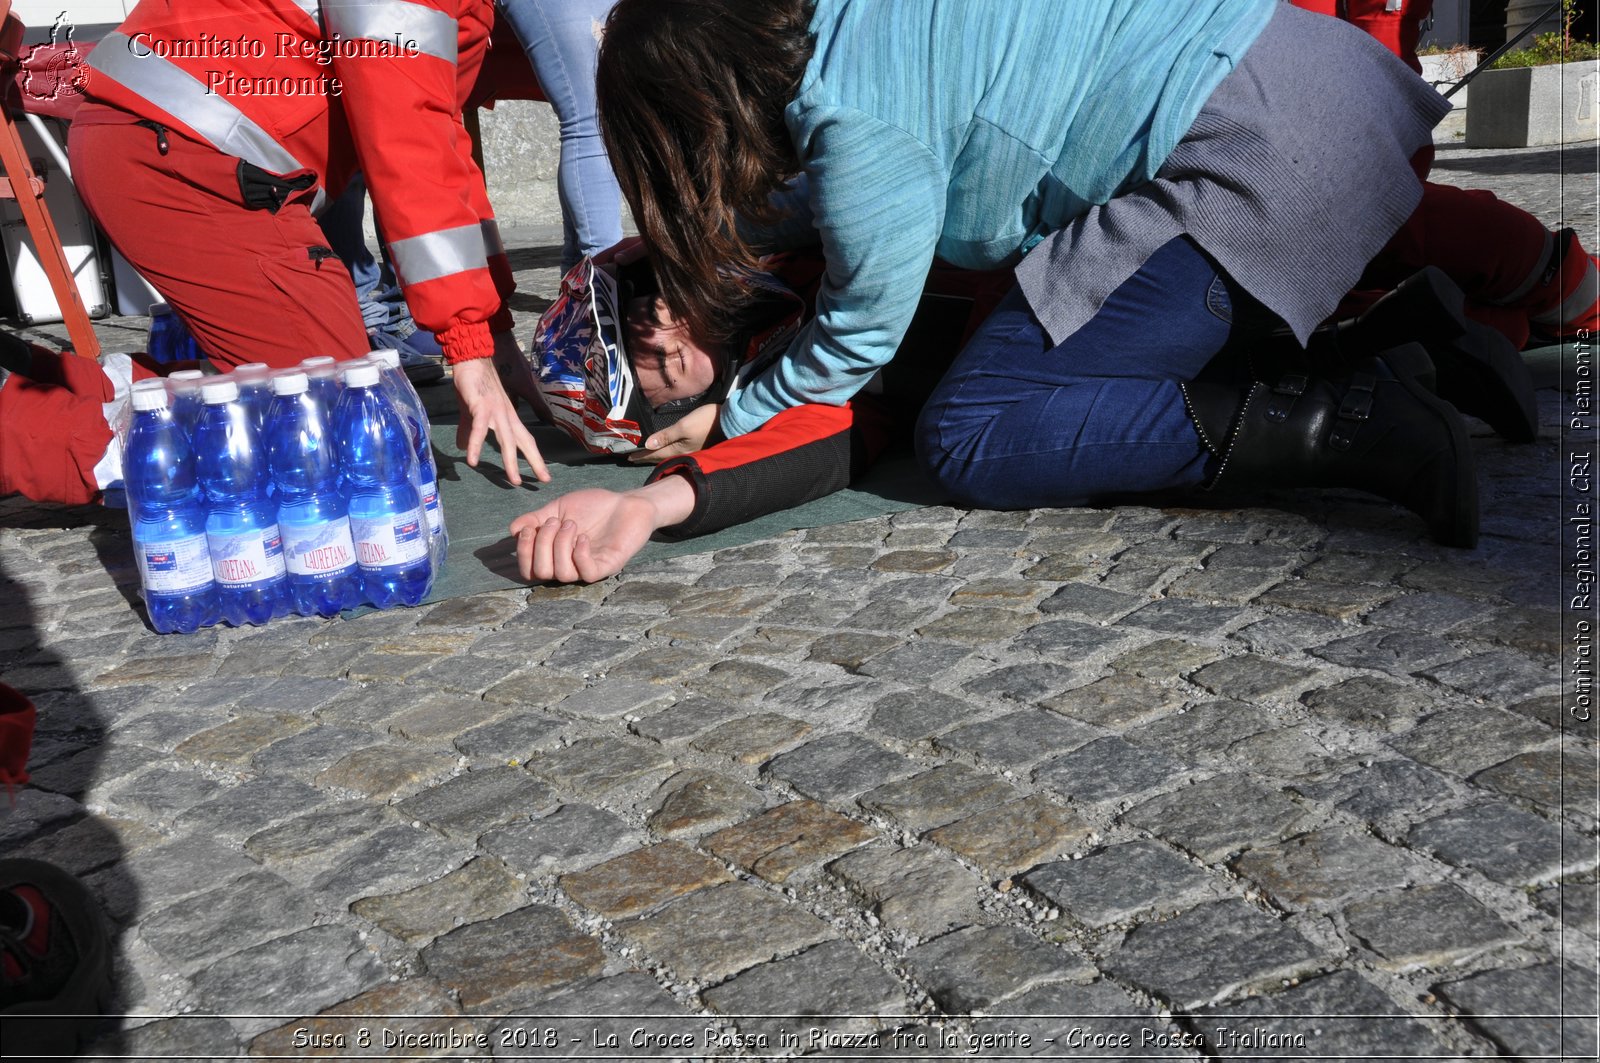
column 1107, row 783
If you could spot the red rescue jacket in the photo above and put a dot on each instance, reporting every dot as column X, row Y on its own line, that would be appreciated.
column 325, row 88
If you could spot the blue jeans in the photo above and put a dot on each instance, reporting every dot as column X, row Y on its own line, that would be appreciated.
column 1020, row 422
column 377, row 291
column 562, row 41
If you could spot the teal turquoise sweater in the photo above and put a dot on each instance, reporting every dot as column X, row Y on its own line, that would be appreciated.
column 968, row 129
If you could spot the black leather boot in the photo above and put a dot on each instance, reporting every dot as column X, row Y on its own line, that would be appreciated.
column 1375, row 428
column 1477, row 369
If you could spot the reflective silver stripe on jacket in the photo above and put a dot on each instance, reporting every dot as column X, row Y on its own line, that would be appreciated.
column 439, row 254
column 184, row 96
column 310, row 7
column 431, row 32
column 492, row 244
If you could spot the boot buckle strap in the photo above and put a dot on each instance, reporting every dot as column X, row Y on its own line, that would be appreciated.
column 1284, row 392
column 1354, row 408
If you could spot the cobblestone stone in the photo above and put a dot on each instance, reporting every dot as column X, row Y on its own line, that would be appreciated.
column 1513, row 1007
column 1553, row 778
column 1218, row 816
column 1099, row 604
column 1013, row 836
column 838, row 766
column 1062, row 1018
column 1117, row 701
column 306, row 754
column 1027, row 683
column 386, row 771
column 301, row 972
column 203, row 1036
column 1466, row 738
column 1381, row 790
column 316, row 836
column 427, row 1013
column 537, row 688
column 1325, row 867
column 1504, row 843
column 159, row 795
column 571, row 837
column 980, row 967
column 1211, row 952
column 614, row 1011
column 480, row 889
column 711, row 934
column 912, row 717
column 1070, row 640
column 387, row 861
column 237, row 742
column 1164, row 659
column 1339, row 602
column 1251, row 677
column 1313, row 1013
column 1399, row 653
column 1180, row 616
column 854, row 995
column 515, row 739
column 1016, row 740
column 1121, row 881
column 632, row 884
column 937, row 796
column 918, row 891
column 1375, row 704
column 1434, row 925
column 590, row 767
column 850, row 649
column 695, row 801
column 504, row 964
column 787, row 839
column 1107, row 770
column 440, row 717
column 467, row 805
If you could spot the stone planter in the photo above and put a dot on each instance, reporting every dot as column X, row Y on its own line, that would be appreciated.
column 1528, row 106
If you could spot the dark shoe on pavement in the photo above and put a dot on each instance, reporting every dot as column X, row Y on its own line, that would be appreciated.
column 55, row 961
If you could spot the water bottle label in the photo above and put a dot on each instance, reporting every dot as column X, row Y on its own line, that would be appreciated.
column 174, row 566
column 317, row 549
column 430, row 503
column 252, row 557
column 391, row 541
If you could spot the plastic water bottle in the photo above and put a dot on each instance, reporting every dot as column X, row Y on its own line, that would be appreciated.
column 169, row 339
column 168, row 518
column 325, row 382
column 242, row 523
column 386, row 514
column 409, row 403
column 313, row 514
column 255, row 390
column 184, row 387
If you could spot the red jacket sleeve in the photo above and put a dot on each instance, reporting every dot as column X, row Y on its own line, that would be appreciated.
column 403, row 67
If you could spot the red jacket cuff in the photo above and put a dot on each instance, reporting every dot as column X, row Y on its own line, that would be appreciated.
column 466, row 341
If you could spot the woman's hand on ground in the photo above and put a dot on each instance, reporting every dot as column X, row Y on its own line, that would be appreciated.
column 590, row 534
column 684, row 436
column 485, row 408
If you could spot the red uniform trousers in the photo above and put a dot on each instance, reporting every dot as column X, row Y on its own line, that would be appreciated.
column 251, row 285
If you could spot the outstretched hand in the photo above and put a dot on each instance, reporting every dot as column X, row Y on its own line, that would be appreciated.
column 590, row 534
column 684, row 436
column 485, row 408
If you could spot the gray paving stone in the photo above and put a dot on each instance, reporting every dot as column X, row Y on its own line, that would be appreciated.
column 624, row 1016
column 919, row 891
column 838, row 766
column 201, row 1036
column 1338, row 1016
column 1117, row 701
column 293, row 975
column 1164, row 659
column 683, row 721
column 1575, row 903
column 169, row 871
column 1395, row 652
column 1218, row 816
column 1325, row 867
column 1107, row 770
column 468, row 673
column 980, row 967
column 466, row 806
column 237, row 812
column 1385, row 788
column 1289, row 634
column 914, row 716
column 298, row 694
column 536, row 688
column 93, row 770
column 735, row 680
column 1374, row 704
column 480, row 889
column 1236, row 574
column 516, row 739
column 1426, row 611
column 895, row 617
column 314, row 839
column 1017, row 740
column 590, row 767
column 505, row 964
column 1503, row 842
column 975, row 625
column 160, row 794
column 811, row 610
column 163, row 730
column 1090, row 601
column 1555, row 778
column 1180, row 616
column 752, row 739
column 573, row 836
column 1435, row 925
column 245, row 912
column 1463, row 739
column 1028, row 683
column 1552, row 711
column 713, row 933
column 1529, row 1011
column 1070, row 640
column 1063, row 1020
column 694, row 801
column 1210, row 952
column 614, row 697
column 937, row 796
column 788, row 839
column 305, row 755
column 1206, row 731
column 853, row 996
column 1250, row 677
column 387, row 861
column 1116, row 883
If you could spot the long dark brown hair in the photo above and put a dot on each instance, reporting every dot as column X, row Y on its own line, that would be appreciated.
column 691, row 98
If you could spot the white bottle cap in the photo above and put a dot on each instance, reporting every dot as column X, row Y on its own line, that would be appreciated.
column 386, row 359
column 186, row 374
column 321, row 359
column 290, row 383
column 146, row 397
column 216, row 392
column 361, row 376
column 252, row 372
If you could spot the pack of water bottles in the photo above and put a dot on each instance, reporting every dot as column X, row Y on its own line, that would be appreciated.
column 261, row 492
